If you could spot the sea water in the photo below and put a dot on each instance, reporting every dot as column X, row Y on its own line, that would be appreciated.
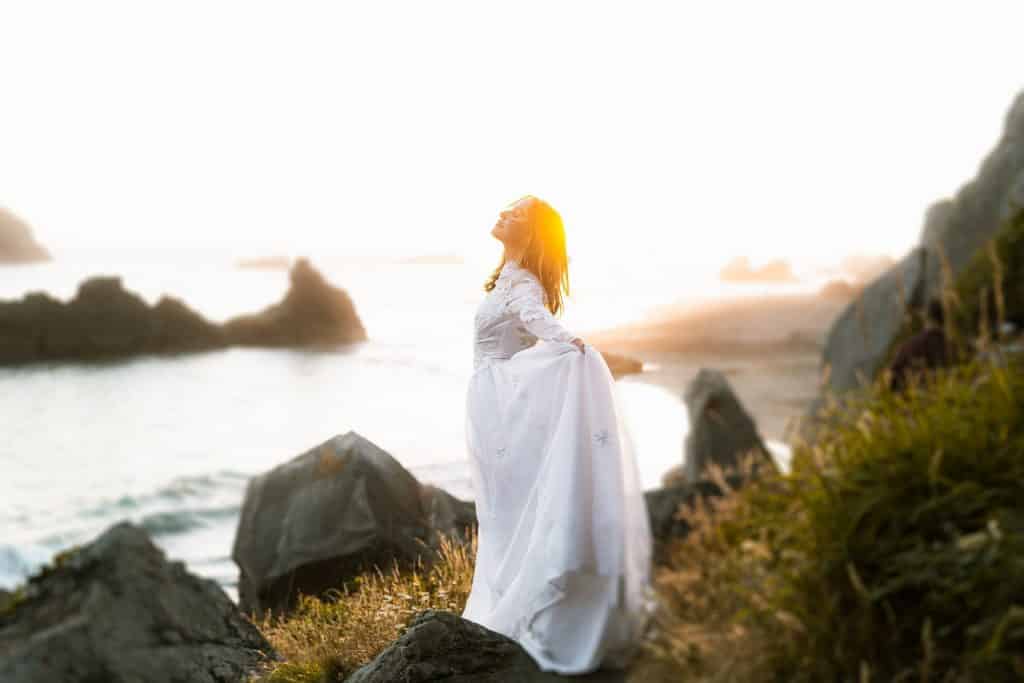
column 170, row 442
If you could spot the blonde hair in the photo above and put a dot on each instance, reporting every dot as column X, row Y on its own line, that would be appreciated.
column 545, row 255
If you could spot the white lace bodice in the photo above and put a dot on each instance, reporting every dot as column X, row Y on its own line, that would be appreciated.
column 513, row 316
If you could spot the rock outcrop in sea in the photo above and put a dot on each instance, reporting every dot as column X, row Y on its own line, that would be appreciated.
column 17, row 245
column 104, row 320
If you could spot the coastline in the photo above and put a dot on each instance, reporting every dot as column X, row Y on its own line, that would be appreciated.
column 769, row 347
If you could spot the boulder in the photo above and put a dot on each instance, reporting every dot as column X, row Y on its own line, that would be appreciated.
column 312, row 312
column 721, row 430
column 960, row 226
column 17, row 245
column 323, row 517
column 117, row 610
column 441, row 645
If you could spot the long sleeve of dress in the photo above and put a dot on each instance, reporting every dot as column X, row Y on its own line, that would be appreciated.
column 527, row 299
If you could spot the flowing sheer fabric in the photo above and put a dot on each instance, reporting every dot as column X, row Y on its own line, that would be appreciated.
column 563, row 562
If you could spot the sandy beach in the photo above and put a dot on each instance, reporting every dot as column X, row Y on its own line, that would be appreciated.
column 769, row 347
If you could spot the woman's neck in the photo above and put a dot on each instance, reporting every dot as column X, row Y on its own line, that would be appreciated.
column 515, row 255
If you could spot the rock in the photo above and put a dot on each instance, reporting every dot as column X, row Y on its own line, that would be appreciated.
column 17, row 245
column 104, row 320
column 447, row 514
column 663, row 503
column 674, row 476
column 721, row 430
column 863, row 333
column 839, row 289
column 441, row 645
column 862, row 267
column 312, row 312
column 325, row 516
column 961, row 226
column 620, row 365
column 117, row 610
column 740, row 270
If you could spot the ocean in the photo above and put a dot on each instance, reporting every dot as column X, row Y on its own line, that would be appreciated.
column 169, row 443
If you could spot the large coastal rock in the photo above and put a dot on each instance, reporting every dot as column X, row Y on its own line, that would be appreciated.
column 116, row 610
column 862, row 334
column 104, row 320
column 441, row 646
column 17, row 245
column 312, row 312
column 339, row 509
column 954, row 231
column 721, row 431
column 959, row 226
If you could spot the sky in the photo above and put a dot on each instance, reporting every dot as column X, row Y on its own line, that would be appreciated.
column 668, row 131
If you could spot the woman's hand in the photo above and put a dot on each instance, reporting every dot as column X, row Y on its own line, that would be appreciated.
column 578, row 343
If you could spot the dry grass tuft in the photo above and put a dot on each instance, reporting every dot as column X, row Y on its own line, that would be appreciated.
column 326, row 640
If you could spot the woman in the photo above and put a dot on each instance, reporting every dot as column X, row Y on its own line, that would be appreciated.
column 564, row 545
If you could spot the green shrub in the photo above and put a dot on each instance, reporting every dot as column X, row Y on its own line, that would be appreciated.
column 993, row 281
column 903, row 545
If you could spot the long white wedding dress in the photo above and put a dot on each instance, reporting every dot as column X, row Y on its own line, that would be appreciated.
column 563, row 559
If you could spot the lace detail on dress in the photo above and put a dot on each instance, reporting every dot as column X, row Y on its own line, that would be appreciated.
column 528, row 300
column 512, row 317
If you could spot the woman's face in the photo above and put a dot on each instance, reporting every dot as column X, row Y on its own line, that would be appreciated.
column 512, row 227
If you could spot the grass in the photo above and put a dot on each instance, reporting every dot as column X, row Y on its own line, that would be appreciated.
column 893, row 551
column 326, row 640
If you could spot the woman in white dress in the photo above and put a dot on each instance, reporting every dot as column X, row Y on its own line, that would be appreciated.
column 563, row 559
